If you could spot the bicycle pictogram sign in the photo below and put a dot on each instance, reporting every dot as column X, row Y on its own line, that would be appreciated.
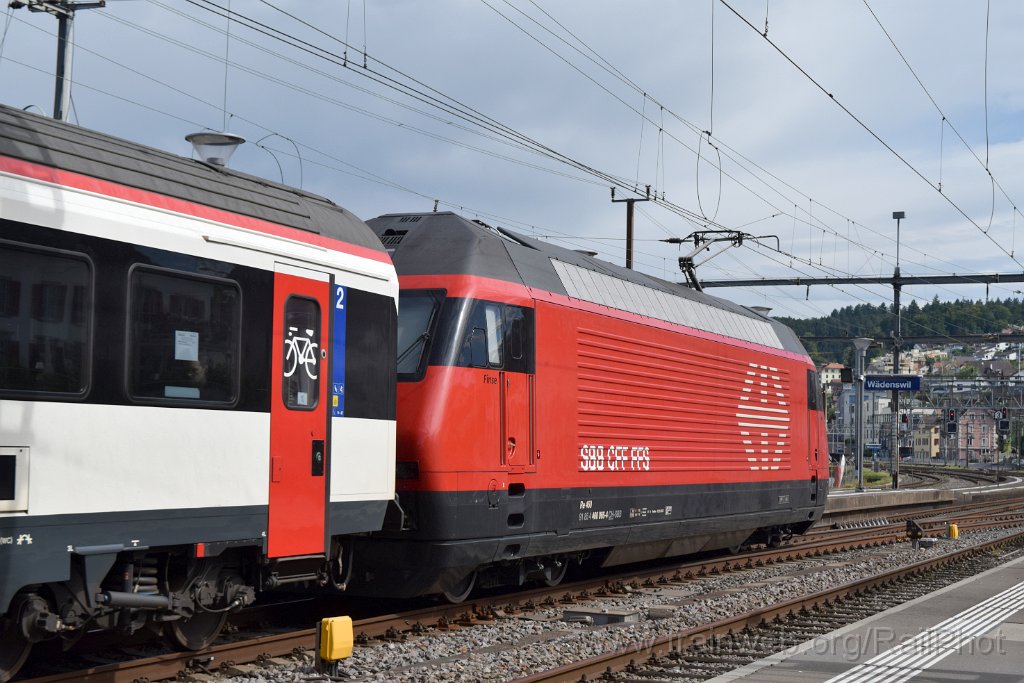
column 300, row 351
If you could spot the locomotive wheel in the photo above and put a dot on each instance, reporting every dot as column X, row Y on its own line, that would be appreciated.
column 14, row 650
column 554, row 575
column 460, row 591
column 196, row 632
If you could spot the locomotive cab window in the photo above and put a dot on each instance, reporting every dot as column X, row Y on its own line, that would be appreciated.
column 184, row 337
column 417, row 315
column 301, row 380
column 45, row 320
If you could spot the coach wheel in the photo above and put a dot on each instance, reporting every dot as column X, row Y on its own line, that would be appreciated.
column 555, row 572
column 14, row 650
column 460, row 591
column 195, row 632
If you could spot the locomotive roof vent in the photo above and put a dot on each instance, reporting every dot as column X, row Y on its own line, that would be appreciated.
column 215, row 148
column 408, row 219
column 392, row 238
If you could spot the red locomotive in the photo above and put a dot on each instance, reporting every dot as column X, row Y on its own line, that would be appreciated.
column 553, row 408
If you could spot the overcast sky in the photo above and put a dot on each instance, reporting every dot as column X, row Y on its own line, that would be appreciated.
column 783, row 159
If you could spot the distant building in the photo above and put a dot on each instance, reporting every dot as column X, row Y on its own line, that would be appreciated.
column 976, row 438
column 926, row 435
column 830, row 373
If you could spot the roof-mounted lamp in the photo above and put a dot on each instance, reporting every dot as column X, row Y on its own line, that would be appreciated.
column 215, row 148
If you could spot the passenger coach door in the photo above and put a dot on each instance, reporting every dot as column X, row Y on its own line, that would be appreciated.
column 298, row 413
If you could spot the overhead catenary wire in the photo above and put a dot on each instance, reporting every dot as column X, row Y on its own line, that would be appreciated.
column 945, row 119
column 616, row 73
column 677, row 208
column 431, row 96
column 813, row 219
column 870, row 131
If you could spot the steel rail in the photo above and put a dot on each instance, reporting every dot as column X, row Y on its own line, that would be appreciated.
column 620, row 659
column 399, row 626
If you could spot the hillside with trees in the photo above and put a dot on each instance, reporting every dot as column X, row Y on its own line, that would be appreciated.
column 936, row 318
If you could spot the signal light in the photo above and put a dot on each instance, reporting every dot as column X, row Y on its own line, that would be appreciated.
column 1004, row 425
column 951, row 415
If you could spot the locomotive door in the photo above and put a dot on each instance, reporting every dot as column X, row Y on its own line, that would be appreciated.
column 813, row 420
column 517, row 395
column 298, row 413
column 517, row 421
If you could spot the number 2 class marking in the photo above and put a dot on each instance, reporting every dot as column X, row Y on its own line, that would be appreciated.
column 339, row 303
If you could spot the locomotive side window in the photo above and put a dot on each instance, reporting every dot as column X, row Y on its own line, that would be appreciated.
column 45, row 320
column 184, row 337
column 514, row 341
column 492, row 318
column 482, row 339
column 519, row 339
column 301, row 381
column 814, row 401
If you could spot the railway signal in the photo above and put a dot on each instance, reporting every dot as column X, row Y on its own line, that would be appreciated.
column 951, row 421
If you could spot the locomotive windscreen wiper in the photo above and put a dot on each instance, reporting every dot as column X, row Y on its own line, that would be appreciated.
column 424, row 337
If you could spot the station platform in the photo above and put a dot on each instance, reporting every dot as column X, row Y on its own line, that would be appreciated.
column 853, row 506
column 846, row 505
column 970, row 631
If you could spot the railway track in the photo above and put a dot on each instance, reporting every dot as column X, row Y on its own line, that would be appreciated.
column 709, row 650
column 927, row 476
column 249, row 655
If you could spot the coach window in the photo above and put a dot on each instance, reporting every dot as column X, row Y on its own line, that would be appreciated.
column 184, row 337
column 45, row 320
column 301, row 382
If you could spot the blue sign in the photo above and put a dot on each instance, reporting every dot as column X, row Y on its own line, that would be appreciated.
column 892, row 383
column 338, row 355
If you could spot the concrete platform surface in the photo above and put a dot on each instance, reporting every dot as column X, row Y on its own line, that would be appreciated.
column 970, row 631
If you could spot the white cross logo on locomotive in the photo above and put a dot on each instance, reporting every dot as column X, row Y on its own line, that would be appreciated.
column 300, row 351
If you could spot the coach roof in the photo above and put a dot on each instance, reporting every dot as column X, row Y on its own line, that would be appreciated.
column 46, row 142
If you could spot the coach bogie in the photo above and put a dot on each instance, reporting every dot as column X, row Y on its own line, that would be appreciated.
column 203, row 591
column 139, row 591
